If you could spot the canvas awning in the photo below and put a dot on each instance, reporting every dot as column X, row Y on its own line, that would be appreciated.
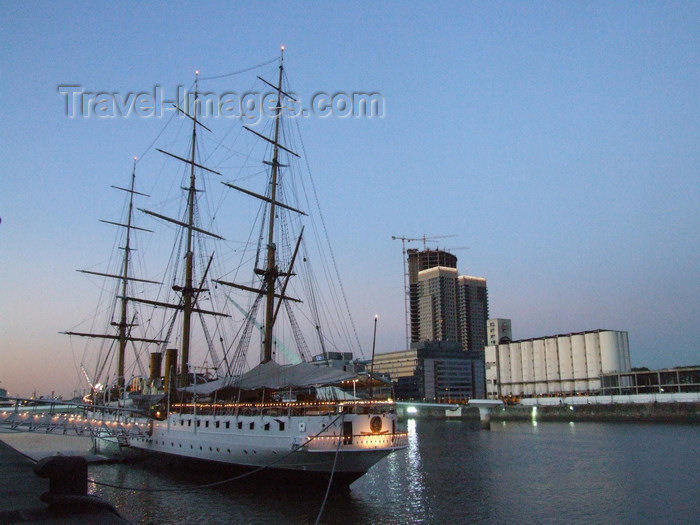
column 276, row 377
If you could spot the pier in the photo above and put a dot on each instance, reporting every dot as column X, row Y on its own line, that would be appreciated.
column 485, row 408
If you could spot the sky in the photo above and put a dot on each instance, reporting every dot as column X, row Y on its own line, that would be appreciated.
column 554, row 146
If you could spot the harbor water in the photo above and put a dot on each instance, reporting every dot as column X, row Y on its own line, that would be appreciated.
column 452, row 472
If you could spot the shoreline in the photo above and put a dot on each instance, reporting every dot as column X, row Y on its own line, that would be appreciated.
column 610, row 413
column 682, row 413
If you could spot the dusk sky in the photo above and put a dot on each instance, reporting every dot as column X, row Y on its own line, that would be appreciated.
column 557, row 144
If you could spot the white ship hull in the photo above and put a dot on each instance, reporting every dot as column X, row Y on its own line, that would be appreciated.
column 348, row 444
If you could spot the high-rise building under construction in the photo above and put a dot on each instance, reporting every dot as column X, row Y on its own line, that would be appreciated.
column 445, row 306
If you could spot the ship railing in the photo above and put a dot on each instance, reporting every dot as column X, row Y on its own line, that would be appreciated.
column 313, row 408
column 358, row 442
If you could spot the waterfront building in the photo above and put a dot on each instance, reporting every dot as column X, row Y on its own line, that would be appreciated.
column 434, row 371
column 396, row 365
column 446, row 306
column 472, row 312
column 643, row 381
column 499, row 331
column 341, row 360
column 437, row 304
column 556, row 365
column 448, row 314
column 417, row 262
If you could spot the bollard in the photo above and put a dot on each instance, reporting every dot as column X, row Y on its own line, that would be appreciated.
column 67, row 477
column 68, row 495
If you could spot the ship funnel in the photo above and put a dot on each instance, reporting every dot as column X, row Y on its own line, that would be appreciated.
column 170, row 366
column 154, row 372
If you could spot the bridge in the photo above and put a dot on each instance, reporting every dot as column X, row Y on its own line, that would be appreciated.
column 485, row 406
column 59, row 417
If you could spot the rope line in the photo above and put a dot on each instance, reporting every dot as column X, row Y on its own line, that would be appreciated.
column 330, row 481
column 328, row 242
column 251, row 68
column 241, row 71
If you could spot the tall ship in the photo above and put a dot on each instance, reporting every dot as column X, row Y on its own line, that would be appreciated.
column 274, row 388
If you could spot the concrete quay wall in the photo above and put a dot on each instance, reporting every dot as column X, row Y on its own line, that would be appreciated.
column 634, row 412
column 628, row 412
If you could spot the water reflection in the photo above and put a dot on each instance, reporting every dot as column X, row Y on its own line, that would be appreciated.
column 453, row 472
column 414, row 474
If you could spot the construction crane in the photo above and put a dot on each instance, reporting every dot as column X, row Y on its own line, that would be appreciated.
column 406, row 292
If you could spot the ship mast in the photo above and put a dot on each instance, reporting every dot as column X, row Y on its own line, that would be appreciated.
column 187, row 291
column 271, row 272
column 123, row 335
column 271, row 269
column 125, row 279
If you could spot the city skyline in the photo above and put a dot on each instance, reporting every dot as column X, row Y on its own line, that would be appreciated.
column 558, row 142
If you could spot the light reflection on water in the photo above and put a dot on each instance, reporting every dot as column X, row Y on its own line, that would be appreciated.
column 453, row 472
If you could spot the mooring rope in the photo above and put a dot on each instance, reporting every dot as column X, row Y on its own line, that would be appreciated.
column 330, row 481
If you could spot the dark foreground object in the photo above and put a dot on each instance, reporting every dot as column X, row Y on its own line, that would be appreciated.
column 59, row 481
